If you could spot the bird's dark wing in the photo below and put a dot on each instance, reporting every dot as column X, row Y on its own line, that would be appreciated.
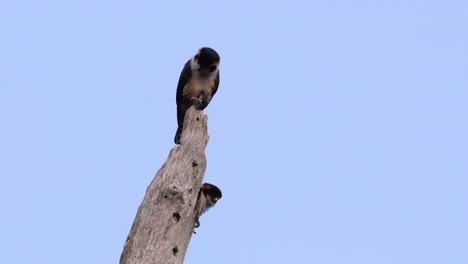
column 216, row 84
column 184, row 78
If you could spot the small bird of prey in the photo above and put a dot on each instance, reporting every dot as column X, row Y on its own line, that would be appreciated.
column 207, row 197
column 198, row 83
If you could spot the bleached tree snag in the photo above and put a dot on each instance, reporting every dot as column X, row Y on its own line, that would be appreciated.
column 164, row 223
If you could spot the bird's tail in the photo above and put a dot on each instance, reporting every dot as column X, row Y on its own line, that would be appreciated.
column 177, row 135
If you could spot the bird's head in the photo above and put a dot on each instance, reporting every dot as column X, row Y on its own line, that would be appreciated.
column 207, row 60
column 211, row 192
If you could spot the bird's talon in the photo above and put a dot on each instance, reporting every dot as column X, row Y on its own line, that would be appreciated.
column 197, row 103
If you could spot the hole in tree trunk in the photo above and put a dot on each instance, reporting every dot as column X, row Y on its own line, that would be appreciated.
column 176, row 216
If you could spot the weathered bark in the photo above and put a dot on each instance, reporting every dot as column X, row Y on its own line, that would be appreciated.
column 164, row 222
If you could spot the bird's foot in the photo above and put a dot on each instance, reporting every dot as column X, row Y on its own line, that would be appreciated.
column 197, row 102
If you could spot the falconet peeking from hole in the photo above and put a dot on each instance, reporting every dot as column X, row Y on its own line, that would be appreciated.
column 207, row 197
column 197, row 85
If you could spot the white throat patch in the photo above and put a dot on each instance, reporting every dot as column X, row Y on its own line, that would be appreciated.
column 194, row 65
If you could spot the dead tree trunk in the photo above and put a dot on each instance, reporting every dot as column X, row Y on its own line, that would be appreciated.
column 164, row 223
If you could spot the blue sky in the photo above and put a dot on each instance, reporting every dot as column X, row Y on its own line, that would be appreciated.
column 338, row 133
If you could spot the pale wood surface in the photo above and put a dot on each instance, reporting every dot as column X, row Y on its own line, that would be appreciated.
column 165, row 219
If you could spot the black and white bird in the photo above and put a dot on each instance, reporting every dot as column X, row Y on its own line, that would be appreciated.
column 207, row 197
column 197, row 85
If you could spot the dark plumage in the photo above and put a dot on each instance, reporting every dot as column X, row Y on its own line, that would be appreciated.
column 197, row 85
column 207, row 197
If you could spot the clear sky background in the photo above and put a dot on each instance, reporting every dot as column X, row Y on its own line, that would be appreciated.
column 339, row 132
